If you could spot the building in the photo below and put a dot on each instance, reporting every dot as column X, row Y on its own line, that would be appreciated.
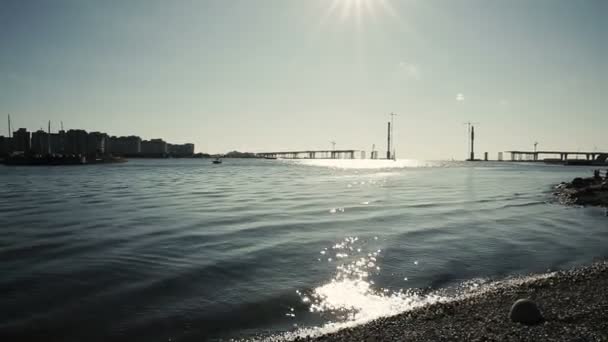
column 41, row 142
column 154, row 148
column 94, row 144
column 181, row 150
column 21, row 140
column 76, row 142
column 6, row 146
column 125, row 146
column 97, row 144
column 58, row 142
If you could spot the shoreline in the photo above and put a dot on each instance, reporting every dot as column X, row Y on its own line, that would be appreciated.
column 592, row 191
column 574, row 304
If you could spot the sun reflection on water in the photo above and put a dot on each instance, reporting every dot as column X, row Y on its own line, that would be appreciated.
column 362, row 163
column 351, row 298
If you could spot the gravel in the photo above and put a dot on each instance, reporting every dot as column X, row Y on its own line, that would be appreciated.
column 574, row 305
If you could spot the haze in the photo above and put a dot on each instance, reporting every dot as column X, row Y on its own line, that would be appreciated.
column 280, row 75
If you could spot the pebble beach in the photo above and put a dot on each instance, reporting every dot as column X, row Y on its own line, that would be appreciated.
column 574, row 305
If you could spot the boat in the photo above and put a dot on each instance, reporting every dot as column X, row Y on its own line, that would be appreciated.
column 271, row 158
column 217, row 161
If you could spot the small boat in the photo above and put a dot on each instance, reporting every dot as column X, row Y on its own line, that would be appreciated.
column 217, row 161
column 271, row 158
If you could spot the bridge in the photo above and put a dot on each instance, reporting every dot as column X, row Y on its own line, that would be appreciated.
column 316, row 154
column 599, row 157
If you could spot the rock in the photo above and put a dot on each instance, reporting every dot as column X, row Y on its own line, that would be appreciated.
column 578, row 182
column 585, row 192
column 525, row 311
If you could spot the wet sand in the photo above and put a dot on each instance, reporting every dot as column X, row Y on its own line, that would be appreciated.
column 574, row 305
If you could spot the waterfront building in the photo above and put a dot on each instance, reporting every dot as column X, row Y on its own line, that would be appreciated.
column 76, row 142
column 125, row 146
column 181, row 150
column 21, row 140
column 40, row 142
column 58, row 142
column 79, row 142
column 97, row 144
column 154, row 147
column 6, row 146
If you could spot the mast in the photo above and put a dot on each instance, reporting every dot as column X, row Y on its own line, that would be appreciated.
column 10, row 134
column 48, row 142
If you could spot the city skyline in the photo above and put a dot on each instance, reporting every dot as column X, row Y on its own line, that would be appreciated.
column 65, row 142
column 291, row 75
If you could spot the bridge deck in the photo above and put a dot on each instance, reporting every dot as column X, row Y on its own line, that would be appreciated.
column 563, row 155
column 312, row 154
column 556, row 152
column 309, row 151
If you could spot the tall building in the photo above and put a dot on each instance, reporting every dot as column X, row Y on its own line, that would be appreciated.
column 97, row 144
column 6, row 146
column 58, row 142
column 21, row 140
column 40, row 142
column 125, row 146
column 154, row 148
column 76, row 142
column 181, row 150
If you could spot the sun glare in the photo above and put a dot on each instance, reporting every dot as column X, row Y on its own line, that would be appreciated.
column 357, row 9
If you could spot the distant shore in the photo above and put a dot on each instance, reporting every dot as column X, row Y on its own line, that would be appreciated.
column 574, row 304
column 58, row 160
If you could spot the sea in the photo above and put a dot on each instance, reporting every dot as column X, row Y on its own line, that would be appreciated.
column 185, row 250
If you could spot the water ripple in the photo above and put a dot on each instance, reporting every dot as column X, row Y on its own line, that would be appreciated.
column 180, row 249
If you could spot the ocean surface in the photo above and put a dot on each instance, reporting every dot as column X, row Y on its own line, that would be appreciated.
column 183, row 250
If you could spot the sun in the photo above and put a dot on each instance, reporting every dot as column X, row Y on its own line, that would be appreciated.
column 357, row 9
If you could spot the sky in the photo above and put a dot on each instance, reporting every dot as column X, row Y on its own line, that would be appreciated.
column 279, row 75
